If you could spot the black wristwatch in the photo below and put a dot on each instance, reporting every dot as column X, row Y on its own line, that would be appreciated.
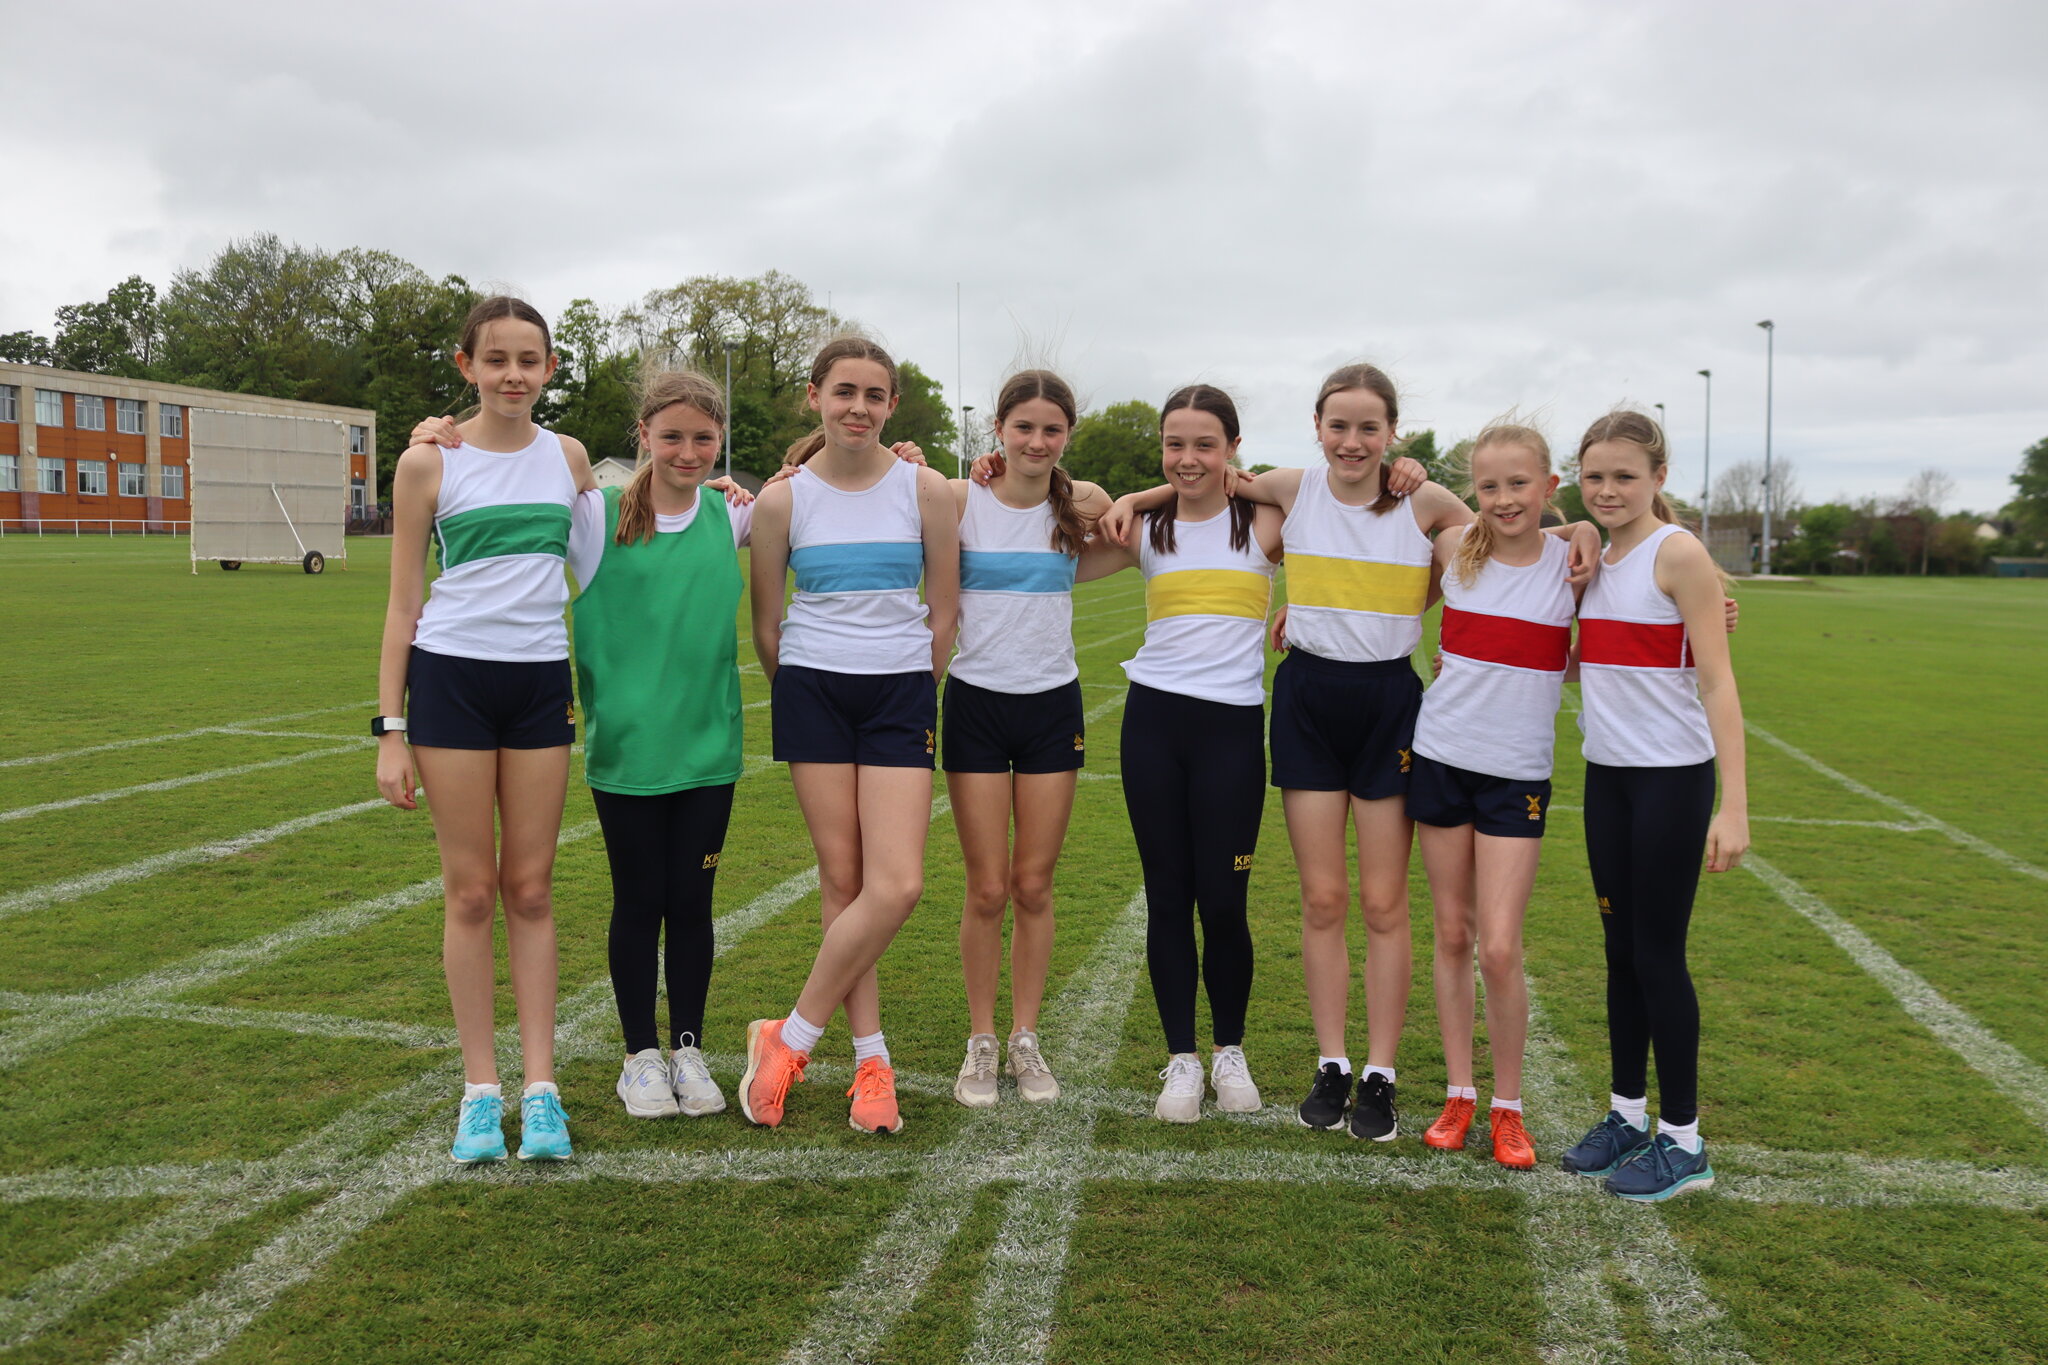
column 387, row 725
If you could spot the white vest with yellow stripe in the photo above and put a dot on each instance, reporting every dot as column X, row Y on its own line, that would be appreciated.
column 1357, row 580
column 1205, row 615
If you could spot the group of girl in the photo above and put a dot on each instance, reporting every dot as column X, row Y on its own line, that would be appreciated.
column 854, row 660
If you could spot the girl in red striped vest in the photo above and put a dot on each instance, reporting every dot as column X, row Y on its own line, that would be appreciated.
column 1660, row 710
column 1480, row 789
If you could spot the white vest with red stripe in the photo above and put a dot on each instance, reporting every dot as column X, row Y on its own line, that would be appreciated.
column 1506, row 640
column 1642, row 696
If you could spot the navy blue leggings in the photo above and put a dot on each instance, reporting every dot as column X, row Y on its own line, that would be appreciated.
column 664, row 856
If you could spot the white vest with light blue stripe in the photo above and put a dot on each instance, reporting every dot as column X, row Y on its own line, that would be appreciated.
column 1016, row 598
column 858, row 558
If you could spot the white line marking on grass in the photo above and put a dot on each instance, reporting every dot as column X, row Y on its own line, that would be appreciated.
column 1918, row 816
column 98, row 1009
column 173, row 783
column 142, row 740
column 75, row 888
column 2023, row 1080
column 1893, row 826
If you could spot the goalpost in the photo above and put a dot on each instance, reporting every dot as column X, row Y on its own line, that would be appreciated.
column 268, row 489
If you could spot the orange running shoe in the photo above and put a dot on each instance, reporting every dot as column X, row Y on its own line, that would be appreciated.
column 1448, row 1132
column 874, row 1098
column 1511, row 1145
column 772, row 1066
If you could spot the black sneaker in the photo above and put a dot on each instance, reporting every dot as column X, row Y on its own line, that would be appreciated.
column 1373, row 1115
column 1324, row 1107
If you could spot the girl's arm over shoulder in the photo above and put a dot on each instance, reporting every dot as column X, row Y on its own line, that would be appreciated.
column 940, row 515
column 1687, row 573
column 1101, row 557
column 1091, row 501
column 579, row 463
column 1274, row 488
column 586, row 537
column 1438, row 509
column 1266, row 523
column 769, row 572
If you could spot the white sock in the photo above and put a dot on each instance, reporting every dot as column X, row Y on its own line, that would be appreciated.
column 800, row 1033
column 1499, row 1103
column 1384, row 1071
column 1636, row 1111
column 1461, row 1092
column 477, row 1092
column 1343, row 1063
column 870, row 1046
column 1686, row 1135
column 539, row 1088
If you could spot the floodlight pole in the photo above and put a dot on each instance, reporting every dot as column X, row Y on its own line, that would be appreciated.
column 966, row 415
column 1707, row 461
column 729, row 345
column 1770, row 365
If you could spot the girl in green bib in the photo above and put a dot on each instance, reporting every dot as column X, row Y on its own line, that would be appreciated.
column 657, row 668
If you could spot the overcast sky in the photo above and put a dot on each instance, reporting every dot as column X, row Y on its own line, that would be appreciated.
column 1556, row 207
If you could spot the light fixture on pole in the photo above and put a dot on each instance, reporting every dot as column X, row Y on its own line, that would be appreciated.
column 1770, row 365
column 1661, row 422
column 1707, row 461
column 966, row 414
column 730, row 347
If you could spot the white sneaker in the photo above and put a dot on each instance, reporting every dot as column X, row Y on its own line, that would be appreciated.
column 643, row 1086
column 1232, row 1078
column 1181, row 1099
column 976, row 1084
column 696, row 1093
column 1035, row 1083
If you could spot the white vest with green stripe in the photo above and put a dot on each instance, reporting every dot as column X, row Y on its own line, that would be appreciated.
column 501, row 531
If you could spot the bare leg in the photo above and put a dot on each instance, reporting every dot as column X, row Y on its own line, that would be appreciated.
column 894, row 813
column 1506, row 875
column 1385, row 834
column 828, row 796
column 1045, row 802
column 1315, row 829
column 462, row 787
column 1447, row 854
column 981, row 815
column 531, row 786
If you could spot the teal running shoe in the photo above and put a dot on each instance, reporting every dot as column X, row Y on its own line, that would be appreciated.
column 479, row 1131
column 1611, row 1141
column 1661, row 1170
column 543, row 1128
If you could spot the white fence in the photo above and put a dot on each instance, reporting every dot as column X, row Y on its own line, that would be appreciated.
column 93, row 526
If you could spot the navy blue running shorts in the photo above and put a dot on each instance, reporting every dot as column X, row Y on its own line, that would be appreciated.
column 456, row 703
column 1000, row 732
column 1340, row 726
column 1505, row 807
column 880, row 720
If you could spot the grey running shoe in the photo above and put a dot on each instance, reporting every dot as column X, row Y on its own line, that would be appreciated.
column 1035, row 1083
column 696, row 1093
column 1232, row 1079
column 643, row 1086
column 1180, row 1101
column 976, row 1084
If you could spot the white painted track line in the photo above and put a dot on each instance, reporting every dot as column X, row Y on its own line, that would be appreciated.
column 142, row 740
column 173, row 783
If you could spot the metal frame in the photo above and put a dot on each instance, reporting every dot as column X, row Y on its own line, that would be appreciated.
column 341, row 490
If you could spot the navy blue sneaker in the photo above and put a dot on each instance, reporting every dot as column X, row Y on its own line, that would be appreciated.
column 1601, row 1151
column 1661, row 1170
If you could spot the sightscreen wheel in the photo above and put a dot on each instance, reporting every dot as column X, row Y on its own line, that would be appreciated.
column 231, row 563
column 315, row 561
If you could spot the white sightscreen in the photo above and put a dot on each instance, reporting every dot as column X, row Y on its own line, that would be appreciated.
column 250, row 469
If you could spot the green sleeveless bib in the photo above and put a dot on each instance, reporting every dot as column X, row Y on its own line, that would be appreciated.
column 657, row 657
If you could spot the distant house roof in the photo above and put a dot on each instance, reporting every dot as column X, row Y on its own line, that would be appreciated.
column 612, row 472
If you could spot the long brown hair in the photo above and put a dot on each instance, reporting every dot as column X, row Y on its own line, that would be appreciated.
column 1068, row 529
column 837, row 349
column 1373, row 380
column 1626, row 424
column 1477, row 545
column 1214, row 401
column 494, row 308
column 659, row 390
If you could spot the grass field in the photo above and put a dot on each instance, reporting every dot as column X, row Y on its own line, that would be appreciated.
column 228, row 1069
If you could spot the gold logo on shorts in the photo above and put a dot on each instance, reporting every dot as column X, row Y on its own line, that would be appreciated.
column 1535, row 807
column 929, row 741
column 1243, row 863
column 1077, row 744
column 1606, row 906
column 572, row 713
column 1406, row 759
column 710, row 861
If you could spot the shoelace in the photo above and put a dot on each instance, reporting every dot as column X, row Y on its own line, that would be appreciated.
column 1183, row 1076
column 783, row 1069
column 646, row 1072
column 873, row 1081
column 543, row 1113
column 1507, row 1126
column 1024, row 1055
column 981, row 1055
column 482, row 1115
column 1657, row 1156
column 1230, row 1068
column 689, row 1064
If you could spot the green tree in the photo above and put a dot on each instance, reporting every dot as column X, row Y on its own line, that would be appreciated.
column 1117, row 447
column 119, row 335
column 1821, row 531
column 26, row 348
column 263, row 317
column 2029, row 506
column 408, row 356
column 1420, row 446
column 591, row 396
column 922, row 415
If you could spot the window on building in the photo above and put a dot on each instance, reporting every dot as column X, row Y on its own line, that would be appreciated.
column 49, row 475
column 132, row 485
column 10, row 403
column 10, row 473
column 174, row 481
column 128, row 416
column 89, row 411
column 358, row 440
column 172, row 421
column 49, row 408
column 92, row 478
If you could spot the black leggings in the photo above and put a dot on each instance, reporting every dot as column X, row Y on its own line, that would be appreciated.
column 1195, row 786
column 1646, row 833
column 664, row 856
